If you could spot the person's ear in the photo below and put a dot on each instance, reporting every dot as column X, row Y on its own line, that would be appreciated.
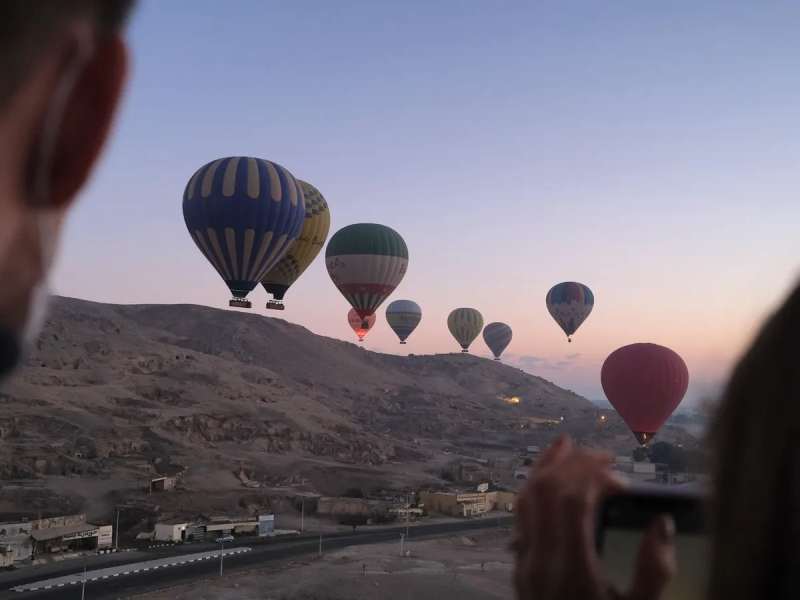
column 87, row 118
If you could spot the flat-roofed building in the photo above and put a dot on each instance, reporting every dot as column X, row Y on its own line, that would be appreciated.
column 171, row 531
column 79, row 536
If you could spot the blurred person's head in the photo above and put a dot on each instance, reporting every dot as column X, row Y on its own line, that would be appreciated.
column 62, row 68
column 756, row 441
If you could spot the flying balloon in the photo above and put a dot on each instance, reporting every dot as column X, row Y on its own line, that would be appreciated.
column 302, row 253
column 243, row 213
column 569, row 304
column 497, row 336
column 360, row 325
column 465, row 324
column 645, row 383
column 366, row 261
column 403, row 317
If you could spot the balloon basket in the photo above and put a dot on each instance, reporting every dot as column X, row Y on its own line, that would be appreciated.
column 402, row 342
column 275, row 305
column 497, row 358
column 239, row 303
column 463, row 350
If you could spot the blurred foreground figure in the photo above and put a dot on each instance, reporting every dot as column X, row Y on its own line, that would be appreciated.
column 755, row 511
column 62, row 68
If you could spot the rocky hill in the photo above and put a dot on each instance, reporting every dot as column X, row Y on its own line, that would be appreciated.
column 113, row 395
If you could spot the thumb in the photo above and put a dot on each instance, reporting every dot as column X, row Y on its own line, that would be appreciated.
column 655, row 564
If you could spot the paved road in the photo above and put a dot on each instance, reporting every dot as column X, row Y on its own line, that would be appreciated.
column 261, row 551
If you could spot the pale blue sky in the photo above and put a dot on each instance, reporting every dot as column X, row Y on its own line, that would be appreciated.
column 650, row 151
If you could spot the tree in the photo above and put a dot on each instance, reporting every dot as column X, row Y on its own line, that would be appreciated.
column 353, row 492
column 672, row 456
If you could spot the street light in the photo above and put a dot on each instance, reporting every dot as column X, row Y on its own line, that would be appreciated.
column 222, row 540
column 83, row 583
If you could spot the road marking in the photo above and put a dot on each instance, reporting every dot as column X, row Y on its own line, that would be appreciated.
column 109, row 572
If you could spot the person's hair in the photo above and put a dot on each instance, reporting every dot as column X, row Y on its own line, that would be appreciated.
column 26, row 27
column 755, row 510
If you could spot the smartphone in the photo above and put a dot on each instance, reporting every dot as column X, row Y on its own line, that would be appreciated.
column 625, row 517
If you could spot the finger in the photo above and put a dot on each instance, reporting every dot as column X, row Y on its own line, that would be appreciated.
column 590, row 480
column 532, row 492
column 555, row 452
column 655, row 564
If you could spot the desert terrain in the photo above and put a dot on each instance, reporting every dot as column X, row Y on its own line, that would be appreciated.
column 473, row 567
column 253, row 411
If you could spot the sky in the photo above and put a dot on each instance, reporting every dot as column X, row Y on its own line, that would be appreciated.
column 648, row 150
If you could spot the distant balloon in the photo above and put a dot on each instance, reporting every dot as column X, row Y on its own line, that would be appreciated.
column 569, row 304
column 465, row 324
column 360, row 325
column 645, row 383
column 497, row 336
column 403, row 317
column 302, row 253
column 366, row 261
column 243, row 213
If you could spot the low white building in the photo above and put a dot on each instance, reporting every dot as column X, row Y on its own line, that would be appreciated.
column 644, row 468
column 170, row 532
column 105, row 536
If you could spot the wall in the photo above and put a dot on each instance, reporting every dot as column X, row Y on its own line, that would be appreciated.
column 11, row 529
column 65, row 521
column 169, row 532
column 348, row 506
column 105, row 536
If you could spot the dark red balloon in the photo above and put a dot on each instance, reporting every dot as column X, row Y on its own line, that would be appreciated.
column 645, row 383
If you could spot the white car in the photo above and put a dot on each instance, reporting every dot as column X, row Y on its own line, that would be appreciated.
column 225, row 539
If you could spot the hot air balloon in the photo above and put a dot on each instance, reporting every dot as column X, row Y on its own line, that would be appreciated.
column 497, row 336
column 465, row 324
column 569, row 304
column 302, row 253
column 366, row 261
column 243, row 213
column 360, row 325
column 403, row 317
column 645, row 383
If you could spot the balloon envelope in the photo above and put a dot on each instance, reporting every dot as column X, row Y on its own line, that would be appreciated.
column 465, row 324
column 366, row 261
column 497, row 336
column 645, row 383
column 243, row 213
column 403, row 317
column 569, row 303
column 304, row 250
column 359, row 324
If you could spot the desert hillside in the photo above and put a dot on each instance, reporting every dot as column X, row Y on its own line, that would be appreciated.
column 113, row 395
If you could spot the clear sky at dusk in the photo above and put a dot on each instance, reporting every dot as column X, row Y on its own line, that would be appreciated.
column 649, row 151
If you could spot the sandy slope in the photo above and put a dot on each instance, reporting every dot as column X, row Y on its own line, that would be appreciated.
column 120, row 393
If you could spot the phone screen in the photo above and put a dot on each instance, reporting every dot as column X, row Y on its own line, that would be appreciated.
column 621, row 545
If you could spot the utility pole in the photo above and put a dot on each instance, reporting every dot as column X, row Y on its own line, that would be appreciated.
column 320, row 544
column 221, row 555
column 402, row 539
column 302, row 513
column 116, row 529
column 83, row 584
column 408, row 512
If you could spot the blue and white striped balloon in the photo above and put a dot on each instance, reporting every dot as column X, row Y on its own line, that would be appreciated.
column 244, row 214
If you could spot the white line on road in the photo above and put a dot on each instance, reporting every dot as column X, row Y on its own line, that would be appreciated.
column 106, row 573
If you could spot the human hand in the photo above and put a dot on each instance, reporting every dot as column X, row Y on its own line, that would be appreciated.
column 556, row 557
